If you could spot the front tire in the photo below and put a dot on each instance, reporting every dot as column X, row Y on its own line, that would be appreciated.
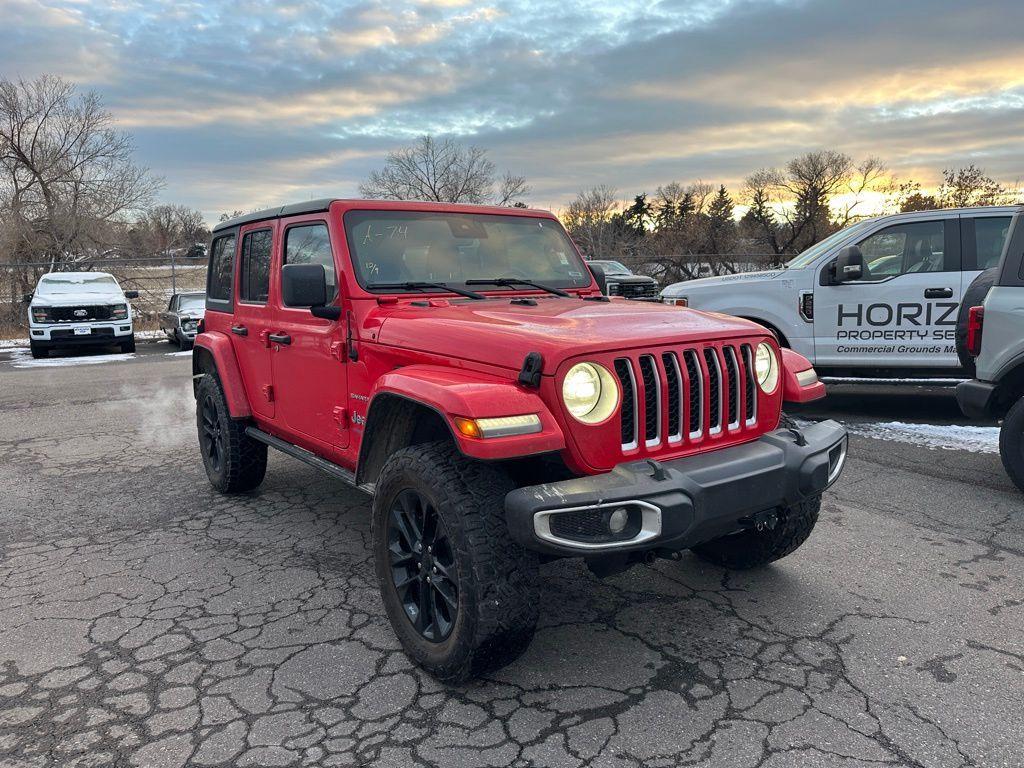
column 1011, row 443
column 435, row 509
column 753, row 549
column 128, row 346
column 234, row 462
column 38, row 352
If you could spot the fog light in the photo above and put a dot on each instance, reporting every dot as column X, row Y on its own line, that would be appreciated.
column 617, row 520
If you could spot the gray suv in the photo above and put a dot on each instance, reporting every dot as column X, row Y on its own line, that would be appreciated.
column 995, row 337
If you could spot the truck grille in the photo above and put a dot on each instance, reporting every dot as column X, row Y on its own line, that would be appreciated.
column 686, row 395
column 85, row 313
column 633, row 290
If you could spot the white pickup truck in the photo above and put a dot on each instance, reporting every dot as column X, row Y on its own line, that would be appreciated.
column 891, row 307
column 79, row 309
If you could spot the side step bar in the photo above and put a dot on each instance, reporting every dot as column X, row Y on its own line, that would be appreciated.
column 330, row 468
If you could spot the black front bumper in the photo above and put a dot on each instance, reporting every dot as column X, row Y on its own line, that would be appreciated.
column 976, row 398
column 686, row 501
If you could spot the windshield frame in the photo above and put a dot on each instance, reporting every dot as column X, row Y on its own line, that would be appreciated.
column 572, row 252
column 807, row 256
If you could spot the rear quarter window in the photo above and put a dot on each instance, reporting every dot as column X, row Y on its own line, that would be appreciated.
column 222, row 270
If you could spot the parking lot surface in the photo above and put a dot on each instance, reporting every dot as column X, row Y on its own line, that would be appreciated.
column 146, row 620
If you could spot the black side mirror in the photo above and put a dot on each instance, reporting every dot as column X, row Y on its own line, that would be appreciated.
column 600, row 277
column 131, row 294
column 305, row 285
column 27, row 298
column 849, row 265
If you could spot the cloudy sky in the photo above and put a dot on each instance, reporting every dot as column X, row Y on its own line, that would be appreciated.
column 241, row 104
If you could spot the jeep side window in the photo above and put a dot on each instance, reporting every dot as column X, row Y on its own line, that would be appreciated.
column 311, row 244
column 989, row 237
column 222, row 268
column 255, row 266
column 904, row 249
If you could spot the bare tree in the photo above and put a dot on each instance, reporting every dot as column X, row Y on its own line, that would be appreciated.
column 442, row 170
column 167, row 228
column 791, row 208
column 68, row 181
column 970, row 186
column 589, row 220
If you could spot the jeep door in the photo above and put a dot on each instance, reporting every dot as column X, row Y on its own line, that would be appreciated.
column 251, row 325
column 310, row 375
column 903, row 310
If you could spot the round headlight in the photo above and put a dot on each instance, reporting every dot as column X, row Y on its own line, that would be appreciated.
column 766, row 366
column 589, row 393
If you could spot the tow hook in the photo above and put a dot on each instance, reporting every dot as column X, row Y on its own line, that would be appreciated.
column 762, row 521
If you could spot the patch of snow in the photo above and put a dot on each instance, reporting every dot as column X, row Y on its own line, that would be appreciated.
column 946, row 437
column 13, row 343
column 22, row 358
column 183, row 353
column 922, row 382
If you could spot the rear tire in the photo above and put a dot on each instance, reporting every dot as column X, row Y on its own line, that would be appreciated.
column 37, row 351
column 752, row 548
column 1011, row 443
column 234, row 462
column 486, row 596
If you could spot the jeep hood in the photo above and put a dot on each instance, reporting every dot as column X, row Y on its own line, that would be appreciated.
column 498, row 332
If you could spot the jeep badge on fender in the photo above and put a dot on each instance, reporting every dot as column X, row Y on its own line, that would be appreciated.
column 460, row 364
column 879, row 297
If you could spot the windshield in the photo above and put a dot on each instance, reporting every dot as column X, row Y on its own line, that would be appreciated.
column 812, row 253
column 613, row 267
column 424, row 246
column 194, row 301
column 77, row 284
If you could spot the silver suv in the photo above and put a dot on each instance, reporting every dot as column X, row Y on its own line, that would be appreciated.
column 995, row 337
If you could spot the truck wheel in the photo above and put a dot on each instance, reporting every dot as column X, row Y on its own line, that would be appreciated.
column 752, row 548
column 460, row 594
column 37, row 351
column 973, row 297
column 128, row 346
column 1011, row 443
column 234, row 461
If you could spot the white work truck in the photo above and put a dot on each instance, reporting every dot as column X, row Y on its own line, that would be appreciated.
column 878, row 298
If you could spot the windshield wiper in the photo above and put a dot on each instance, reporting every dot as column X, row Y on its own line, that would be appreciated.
column 512, row 282
column 422, row 285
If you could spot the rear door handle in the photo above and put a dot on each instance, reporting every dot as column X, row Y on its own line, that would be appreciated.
column 239, row 330
column 279, row 338
column 938, row 293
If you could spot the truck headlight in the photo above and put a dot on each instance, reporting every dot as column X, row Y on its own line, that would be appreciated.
column 119, row 312
column 766, row 366
column 40, row 315
column 590, row 393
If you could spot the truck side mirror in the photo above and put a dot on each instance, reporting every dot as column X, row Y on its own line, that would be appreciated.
column 27, row 298
column 131, row 294
column 305, row 285
column 600, row 277
column 849, row 265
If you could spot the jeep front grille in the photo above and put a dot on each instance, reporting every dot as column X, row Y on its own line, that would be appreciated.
column 686, row 394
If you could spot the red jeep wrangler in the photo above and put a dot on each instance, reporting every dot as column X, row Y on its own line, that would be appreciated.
column 460, row 364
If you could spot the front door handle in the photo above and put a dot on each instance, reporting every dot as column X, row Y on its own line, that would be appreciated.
column 938, row 293
column 279, row 338
column 239, row 330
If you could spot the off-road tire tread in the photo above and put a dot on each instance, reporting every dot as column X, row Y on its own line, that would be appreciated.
column 506, row 603
column 752, row 549
column 245, row 461
column 1011, row 443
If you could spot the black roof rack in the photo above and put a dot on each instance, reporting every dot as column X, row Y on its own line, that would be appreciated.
column 295, row 209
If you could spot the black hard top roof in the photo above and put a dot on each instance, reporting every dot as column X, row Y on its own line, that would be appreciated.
column 295, row 209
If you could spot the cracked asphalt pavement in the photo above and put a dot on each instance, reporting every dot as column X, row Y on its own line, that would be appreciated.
column 146, row 620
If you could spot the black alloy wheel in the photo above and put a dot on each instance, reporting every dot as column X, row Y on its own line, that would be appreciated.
column 211, row 436
column 423, row 568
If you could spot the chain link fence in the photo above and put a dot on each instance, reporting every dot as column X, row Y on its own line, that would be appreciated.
column 156, row 279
